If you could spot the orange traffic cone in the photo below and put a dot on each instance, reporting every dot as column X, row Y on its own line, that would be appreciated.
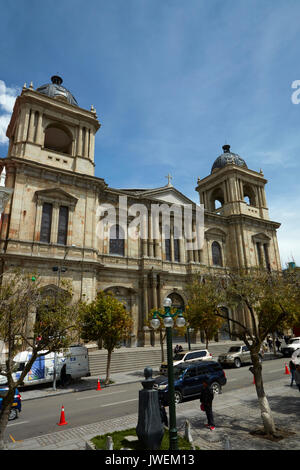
column 287, row 372
column 62, row 417
column 98, row 386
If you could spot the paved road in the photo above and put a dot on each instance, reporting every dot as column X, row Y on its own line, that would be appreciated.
column 40, row 416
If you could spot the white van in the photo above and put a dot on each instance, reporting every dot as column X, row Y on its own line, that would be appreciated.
column 74, row 358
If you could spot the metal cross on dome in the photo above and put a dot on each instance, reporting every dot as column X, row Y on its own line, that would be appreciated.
column 169, row 179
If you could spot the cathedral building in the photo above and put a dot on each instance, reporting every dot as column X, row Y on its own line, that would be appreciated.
column 52, row 222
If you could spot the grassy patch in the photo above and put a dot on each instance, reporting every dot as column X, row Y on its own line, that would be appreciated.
column 120, row 441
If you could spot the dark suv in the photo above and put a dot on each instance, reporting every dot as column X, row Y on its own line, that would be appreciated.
column 189, row 378
column 16, row 405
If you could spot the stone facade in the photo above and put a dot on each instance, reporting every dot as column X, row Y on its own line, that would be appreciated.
column 52, row 218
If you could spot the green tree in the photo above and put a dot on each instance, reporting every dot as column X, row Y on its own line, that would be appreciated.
column 203, row 305
column 21, row 296
column 105, row 319
column 271, row 302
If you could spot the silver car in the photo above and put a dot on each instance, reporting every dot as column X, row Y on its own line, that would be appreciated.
column 236, row 356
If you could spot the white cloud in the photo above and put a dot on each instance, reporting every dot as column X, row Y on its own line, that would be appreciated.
column 7, row 101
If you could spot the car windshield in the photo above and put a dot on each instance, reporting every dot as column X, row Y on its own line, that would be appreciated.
column 234, row 349
column 296, row 340
column 178, row 356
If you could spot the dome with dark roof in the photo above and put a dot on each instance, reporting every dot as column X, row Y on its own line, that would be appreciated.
column 56, row 90
column 228, row 158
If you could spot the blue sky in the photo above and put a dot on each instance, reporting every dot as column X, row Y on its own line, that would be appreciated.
column 172, row 81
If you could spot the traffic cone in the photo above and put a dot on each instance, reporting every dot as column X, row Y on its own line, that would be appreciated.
column 287, row 372
column 99, row 385
column 62, row 417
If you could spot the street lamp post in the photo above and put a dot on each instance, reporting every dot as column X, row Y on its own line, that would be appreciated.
column 168, row 322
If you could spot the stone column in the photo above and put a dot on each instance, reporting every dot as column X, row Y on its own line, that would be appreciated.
column 39, row 135
column 54, row 225
column 70, row 225
column 150, row 235
column 92, row 145
column 79, row 143
column 86, row 143
column 31, row 126
column 38, row 221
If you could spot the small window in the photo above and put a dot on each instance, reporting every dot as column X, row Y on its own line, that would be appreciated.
column 46, row 223
column 116, row 241
column 63, row 225
column 176, row 250
column 245, row 349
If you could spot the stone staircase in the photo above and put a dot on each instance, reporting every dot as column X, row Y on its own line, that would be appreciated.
column 129, row 359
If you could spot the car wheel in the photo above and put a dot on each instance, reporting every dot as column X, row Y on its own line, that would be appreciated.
column 216, row 387
column 237, row 363
column 13, row 414
column 178, row 397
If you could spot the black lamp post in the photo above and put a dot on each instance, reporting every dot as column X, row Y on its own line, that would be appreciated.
column 168, row 322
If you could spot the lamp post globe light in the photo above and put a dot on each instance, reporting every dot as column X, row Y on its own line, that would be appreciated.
column 169, row 322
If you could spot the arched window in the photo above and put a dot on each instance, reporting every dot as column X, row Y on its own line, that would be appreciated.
column 116, row 241
column 217, row 199
column 58, row 139
column 216, row 254
column 249, row 195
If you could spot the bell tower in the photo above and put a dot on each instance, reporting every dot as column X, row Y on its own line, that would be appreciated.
column 235, row 203
column 232, row 188
column 47, row 126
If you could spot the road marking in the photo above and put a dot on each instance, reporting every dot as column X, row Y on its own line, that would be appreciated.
column 120, row 402
column 19, row 422
column 97, row 396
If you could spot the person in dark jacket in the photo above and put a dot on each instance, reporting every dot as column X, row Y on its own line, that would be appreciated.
column 206, row 398
column 292, row 367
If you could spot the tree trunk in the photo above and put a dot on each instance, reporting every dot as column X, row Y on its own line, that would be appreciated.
column 109, row 352
column 265, row 410
column 4, row 414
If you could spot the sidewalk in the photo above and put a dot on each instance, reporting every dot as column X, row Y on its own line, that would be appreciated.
column 236, row 414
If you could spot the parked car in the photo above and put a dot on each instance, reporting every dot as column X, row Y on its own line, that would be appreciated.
column 291, row 347
column 189, row 378
column 236, row 356
column 16, row 405
column 187, row 356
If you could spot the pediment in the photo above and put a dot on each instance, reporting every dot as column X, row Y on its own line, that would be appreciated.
column 261, row 237
column 170, row 195
column 56, row 195
column 215, row 233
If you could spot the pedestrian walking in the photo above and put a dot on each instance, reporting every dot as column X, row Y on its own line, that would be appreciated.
column 206, row 398
column 292, row 367
column 270, row 342
column 278, row 344
column 297, row 376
